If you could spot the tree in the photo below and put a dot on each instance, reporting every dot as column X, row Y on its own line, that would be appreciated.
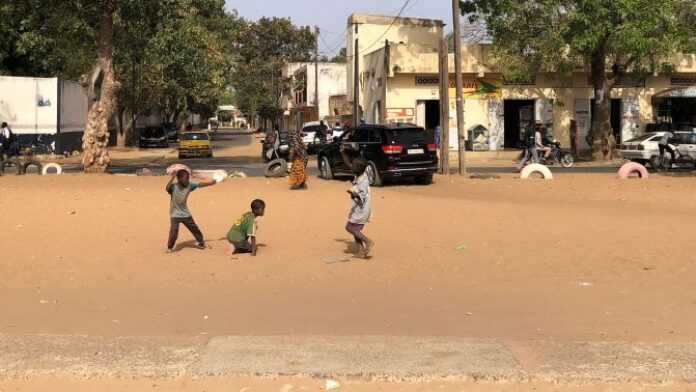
column 341, row 57
column 263, row 48
column 611, row 38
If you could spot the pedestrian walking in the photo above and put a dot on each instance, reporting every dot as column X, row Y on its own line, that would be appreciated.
column 179, row 188
column 298, row 157
column 360, row 211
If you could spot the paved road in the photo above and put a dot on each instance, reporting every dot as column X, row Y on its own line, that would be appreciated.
column 237, row 151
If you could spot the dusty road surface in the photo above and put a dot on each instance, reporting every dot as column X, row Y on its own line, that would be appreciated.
column 584, row 258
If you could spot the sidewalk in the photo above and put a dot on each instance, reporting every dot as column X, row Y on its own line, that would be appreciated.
column 364, row 358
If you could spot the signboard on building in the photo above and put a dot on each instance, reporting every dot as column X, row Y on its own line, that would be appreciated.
column 473, row 88
column 401, row 115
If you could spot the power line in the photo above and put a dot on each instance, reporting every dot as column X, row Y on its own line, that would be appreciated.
column 401, row 11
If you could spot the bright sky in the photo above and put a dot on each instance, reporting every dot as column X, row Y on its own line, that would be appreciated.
column 332, row 15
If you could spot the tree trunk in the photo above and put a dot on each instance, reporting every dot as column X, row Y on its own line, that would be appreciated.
column 603, row 142
column 95, row 141
column 126, row 129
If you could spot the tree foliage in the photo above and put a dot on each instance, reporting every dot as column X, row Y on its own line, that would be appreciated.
column 262, row 49
column 609, row 37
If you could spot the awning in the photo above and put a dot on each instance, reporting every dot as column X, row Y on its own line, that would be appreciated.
column 677, row 92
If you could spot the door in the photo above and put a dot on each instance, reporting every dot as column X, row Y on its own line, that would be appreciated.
column 420, row 114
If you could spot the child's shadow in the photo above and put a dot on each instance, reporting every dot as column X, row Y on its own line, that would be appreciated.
column 186, row 245
column 352, row 248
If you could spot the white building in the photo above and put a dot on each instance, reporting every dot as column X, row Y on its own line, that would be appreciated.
column 299, row 100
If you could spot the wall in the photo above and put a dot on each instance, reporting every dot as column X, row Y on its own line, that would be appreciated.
column 73, row 107
column 375, row 30
column 29, row 105
column 332, row 82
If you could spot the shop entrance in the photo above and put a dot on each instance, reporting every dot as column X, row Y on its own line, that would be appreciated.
column 428, row 115
column 519, row 114
column 679, row 111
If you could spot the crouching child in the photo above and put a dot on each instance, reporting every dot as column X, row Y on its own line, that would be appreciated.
column 242, row 235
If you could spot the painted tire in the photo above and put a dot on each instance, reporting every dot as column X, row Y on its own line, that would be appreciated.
column 536, row 168
column 48, row 166
column 633, row 168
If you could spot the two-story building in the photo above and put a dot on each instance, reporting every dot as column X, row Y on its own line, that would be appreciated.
column 299, row 99
column 399, row 82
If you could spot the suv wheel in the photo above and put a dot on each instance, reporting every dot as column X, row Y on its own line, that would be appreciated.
column 325, row 169
column 424, row 180
column 373, row 175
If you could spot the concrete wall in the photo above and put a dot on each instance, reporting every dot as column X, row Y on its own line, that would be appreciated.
column 332, row 82
column 375, row 30
column 73, row 107
column 29, row 105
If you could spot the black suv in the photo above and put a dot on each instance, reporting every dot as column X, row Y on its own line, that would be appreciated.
column 392, row 152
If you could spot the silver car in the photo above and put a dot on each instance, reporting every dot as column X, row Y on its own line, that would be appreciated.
column 645, row 149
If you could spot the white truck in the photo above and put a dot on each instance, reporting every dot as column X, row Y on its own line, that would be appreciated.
column 48, row 110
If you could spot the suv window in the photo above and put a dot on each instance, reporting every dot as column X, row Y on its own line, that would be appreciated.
column 684, row 138
column 408, row 136
column 361, row 136
column 375, row 136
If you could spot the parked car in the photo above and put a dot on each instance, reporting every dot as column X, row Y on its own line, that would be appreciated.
column 195, row 144
column 153, row 137
column 172, row 132
column 392, row 152
column 314, row 135
column 645, row 149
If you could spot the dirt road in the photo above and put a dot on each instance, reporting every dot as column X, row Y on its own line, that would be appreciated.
column 580, row 258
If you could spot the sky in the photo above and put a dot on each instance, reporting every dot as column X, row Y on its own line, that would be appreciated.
column 332, row 15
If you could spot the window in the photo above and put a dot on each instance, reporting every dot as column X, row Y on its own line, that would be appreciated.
column 375, row 136
column 361, row 136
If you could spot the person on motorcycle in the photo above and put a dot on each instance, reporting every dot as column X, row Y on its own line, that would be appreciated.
column 663, row 145
column 530, row 151
column 539, row 141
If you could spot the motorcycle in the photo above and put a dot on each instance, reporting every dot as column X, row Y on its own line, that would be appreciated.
column 557, row 157
column 681, row 161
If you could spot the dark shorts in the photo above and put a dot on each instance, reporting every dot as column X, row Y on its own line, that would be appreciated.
column 241, row 246
column 354, row 227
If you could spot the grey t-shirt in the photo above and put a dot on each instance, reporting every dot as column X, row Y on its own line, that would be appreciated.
column 178, row 207
column 665, row 138
column 361, row 214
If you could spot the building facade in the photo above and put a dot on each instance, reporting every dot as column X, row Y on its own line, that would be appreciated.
column 399, row 82
column 299, row 102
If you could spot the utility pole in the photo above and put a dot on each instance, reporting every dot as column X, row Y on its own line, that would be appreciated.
column 316, row 73
column 356, row 80
column 444, row 107
column 456, row 15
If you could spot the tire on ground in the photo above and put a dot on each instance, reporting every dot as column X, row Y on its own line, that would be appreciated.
column 49, row 166
column 536, row 168
column 29, row 164
column 630, row 168
column 276, row 168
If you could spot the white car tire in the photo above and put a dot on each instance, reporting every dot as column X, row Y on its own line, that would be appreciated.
column 631, row 168
column 48, row 166
column 536, row 168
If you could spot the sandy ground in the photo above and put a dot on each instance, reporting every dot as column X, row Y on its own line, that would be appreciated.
column 309, row 385
column 585, row 257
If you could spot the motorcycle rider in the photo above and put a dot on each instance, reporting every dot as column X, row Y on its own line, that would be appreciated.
column 664, row 146
column 530, row 152
column 539, row 141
